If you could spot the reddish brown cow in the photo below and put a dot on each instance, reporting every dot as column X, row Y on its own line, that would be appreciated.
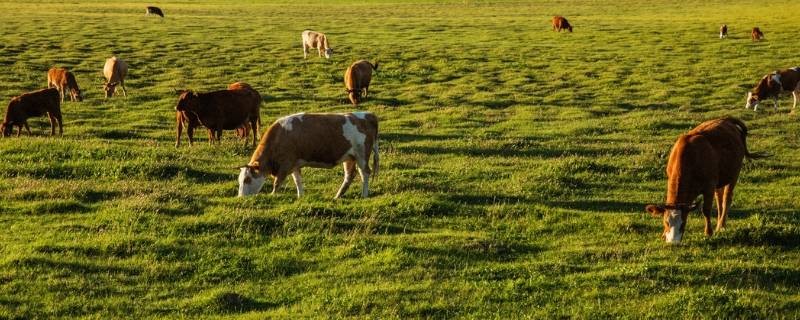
column 357, row 79
column 560, row 23
column 320, row 140
column 64, row 81
column 773, row 85
column 723, row 31
column 228, row 109
column 33, row 104
column 706, row 161
column 756, row 34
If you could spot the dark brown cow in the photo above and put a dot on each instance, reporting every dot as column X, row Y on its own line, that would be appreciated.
column 773, row 85
column 228, row 109
column 723, row 31
column 64, row 81
column 756, row 34
column 357, row 79
column 706, row 161
column 560, row 23
column 154, row 10
column 33, row 104
column 320, row 140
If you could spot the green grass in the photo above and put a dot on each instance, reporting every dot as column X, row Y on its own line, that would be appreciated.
column 516, row 163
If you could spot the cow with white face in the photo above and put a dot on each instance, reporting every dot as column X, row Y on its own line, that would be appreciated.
column 319, row 140
column 773, row 85
column 316, row 40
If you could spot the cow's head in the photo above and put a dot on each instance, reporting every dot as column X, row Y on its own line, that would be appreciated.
column 187, row 101
column 6, row 128
column 569, row 28
column 76, row 94
column 251, row 179
column 674, row 218
column 354, row 95
column 328, row 53
column 109, row 88
column 761, row 91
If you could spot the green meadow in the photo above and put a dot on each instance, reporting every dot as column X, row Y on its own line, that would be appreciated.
column 516, row 163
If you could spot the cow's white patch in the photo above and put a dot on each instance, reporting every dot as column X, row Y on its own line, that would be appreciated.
column 355, row 137
column 249, row 182
column 675, row 221
column 361, row 114
column 286, row 122
column 750, row 102
column 795, row 69
column 777, row 78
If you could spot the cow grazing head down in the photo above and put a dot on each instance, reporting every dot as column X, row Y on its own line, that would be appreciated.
column 110, row 88
column 250, row 180
column 674, row 218
column 354, row 96
column 6, row 128
column 76, row 94
column 762, row 90
column 328, row 53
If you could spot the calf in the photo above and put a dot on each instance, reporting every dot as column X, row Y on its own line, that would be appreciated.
column 154, row 10
column 723, row 31
column 357, row 79
column 316, row 40
column 228, row 109
column 706, row 161
column 560, row 23
column 33, row 104
column 115, row 71
column 64, row 81
column 756, row 34
column 773, row 85
column 321, row 140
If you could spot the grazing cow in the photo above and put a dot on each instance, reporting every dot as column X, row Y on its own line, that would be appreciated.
column 64, row 81
column 773, row 85
column 230, row 109
column 154, row 10
column 723, row 31
column 756, row 34
column 316, row 40
column 357, row 79
column 115, row 71
column 706, row 161
column 560, row 23
column 320, row 140
column 33, row 104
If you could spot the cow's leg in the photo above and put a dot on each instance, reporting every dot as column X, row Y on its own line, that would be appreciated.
column 254, row 129
column 719, row 197
column 349, row 174
column 122, row 84
column 278, row 182
column 775, row 101
column 726, row 205
column 53, row 123
column 794, row 95
column 190, row 132
column 364, row 171
column 27, row 128
column 219, row 135
column 178, row 129
column 61, row 94
column 19, row 130
column 707, row 196
column 305, row 50
column 298, row 182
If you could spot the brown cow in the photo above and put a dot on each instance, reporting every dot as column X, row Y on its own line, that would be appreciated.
column 33, row 104
column 723, row 31
column 357, row 79
column 115, row 71
column 560, row 23
column 64, row 81
column 773, row 85
column 320, row 140
column 154, row 10
column 756, row 34
column 706, row 161
column 228, row 109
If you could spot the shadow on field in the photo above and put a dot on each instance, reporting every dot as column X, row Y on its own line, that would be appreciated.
column 405, row 137
column 476, row 199
column 538, row 151
column 650, row 106
column 732, row 277
column 44, row 264
column 600, row 205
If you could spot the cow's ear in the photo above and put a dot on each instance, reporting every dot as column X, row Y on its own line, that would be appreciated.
column 655, row 211
column 180, row 91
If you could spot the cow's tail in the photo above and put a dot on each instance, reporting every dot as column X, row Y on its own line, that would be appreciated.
column 375, row 157
column 743, row 130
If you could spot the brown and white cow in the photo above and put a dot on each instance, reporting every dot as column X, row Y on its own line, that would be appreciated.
column 230, row 109
column 357, row 79
column 115, row 71
column 320, row 140
column 773, row 85
column 64, row 81
column 756, row 34
column 316, row 40
column 723, row 31
column 705, row 161
column 33, row 104
column 154, row 10
column 560, row 23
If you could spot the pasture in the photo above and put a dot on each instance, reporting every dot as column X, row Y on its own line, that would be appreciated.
column 516, row 163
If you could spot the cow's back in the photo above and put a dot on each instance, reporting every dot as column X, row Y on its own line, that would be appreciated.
column 37, row 103
column 227, row 108
column 115, row 69
column 726, row 138
column 358, row 75
column 56, row 76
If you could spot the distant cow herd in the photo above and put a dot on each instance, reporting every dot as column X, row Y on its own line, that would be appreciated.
column 705, row 162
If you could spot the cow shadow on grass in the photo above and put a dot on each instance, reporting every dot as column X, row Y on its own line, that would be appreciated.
column 405, row 137
column 538, row 151
column 627, row 106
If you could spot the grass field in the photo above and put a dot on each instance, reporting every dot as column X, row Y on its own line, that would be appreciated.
column 515, row 163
